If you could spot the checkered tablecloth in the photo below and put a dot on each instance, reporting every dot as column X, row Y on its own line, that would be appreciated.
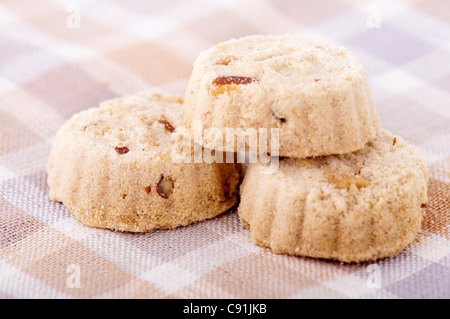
column 58, row 57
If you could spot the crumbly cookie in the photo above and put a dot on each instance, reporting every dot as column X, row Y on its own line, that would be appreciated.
column 314, row 92
column 354, row 207
column 112, row 167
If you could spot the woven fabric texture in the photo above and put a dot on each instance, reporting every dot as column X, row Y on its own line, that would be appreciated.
column 59, row 57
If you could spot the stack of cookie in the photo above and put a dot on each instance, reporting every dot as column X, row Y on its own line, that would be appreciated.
column 343, row 187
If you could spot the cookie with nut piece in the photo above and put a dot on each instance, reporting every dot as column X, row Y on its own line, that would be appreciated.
column 353, row 207
column 111, row 166
column 315, row 93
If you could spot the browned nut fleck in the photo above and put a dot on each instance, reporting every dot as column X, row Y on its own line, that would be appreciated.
column 225, row 88
column 344, row 181
column 233, row 79
column 122, row 150
column 424, row 206
column 226, row 59
column 282, row 120
column 395, row 141
column 148, row 189
column 165, row 187
column 167, row 125
column 230, row 83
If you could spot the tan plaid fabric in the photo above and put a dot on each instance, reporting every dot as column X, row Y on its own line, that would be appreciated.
column 58, row 57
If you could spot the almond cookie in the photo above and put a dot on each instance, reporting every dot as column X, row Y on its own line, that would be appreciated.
column 111, row 166
column 354, row 207
column 315, row 93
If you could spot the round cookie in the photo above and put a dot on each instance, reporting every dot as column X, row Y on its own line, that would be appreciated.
column 111, row 166
column 315, row 93
column 354, row 207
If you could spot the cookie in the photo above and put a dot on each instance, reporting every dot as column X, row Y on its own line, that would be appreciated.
column 315, row 94
column 111, row 166
column 354, row 207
